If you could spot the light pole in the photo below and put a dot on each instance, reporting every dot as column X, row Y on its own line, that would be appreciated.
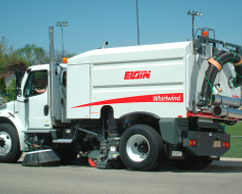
column 193, row 13
column 137, row 16
column 62, row 24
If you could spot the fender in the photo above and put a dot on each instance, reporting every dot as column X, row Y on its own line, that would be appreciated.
column 151, row 119
column 139, row 113
column 8, row 116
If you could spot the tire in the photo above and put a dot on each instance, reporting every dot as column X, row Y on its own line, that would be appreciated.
column 9, row 144
column 141, row 148
column 192, row 163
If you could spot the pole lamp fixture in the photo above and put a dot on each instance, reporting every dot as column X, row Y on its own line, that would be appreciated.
column 193, row 13
column 62, row 24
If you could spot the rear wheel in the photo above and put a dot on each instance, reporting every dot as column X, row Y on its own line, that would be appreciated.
column 9, row 144
column 141, row 148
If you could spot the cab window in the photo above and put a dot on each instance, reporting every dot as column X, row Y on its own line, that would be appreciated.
column 64, row 79
column 36, row 84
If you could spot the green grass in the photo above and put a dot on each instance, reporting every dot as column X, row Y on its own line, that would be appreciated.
column 234, row 130
column 235, row 150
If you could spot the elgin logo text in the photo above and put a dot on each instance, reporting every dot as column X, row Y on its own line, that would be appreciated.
column 137, row 75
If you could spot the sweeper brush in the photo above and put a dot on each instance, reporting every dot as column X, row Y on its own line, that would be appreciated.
column 45, row 157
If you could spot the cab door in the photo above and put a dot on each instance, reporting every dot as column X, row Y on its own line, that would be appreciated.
column 35, row 98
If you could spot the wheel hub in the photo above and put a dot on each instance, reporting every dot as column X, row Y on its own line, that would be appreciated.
column 5, row 143
column 2, row 142
column 143, row 148
column 137, row 148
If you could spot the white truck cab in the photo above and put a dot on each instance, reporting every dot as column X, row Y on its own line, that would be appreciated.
column 30, row 110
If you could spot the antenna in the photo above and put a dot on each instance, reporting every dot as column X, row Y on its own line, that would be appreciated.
column 103, row 45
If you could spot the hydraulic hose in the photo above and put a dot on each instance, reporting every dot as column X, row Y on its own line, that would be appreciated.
column 216, row 65
column 237, row 81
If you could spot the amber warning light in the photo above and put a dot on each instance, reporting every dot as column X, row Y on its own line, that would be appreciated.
column 64, row 60
column 205, row 33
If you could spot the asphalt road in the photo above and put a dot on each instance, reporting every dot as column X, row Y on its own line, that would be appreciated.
column 221, row 177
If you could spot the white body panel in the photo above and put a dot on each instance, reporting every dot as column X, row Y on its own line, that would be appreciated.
column 108, row 81
column 175, row 80
column 108, row 86
column 78, row 90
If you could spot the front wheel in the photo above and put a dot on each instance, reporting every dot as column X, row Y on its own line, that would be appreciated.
column 141, row 148
column 9, row 144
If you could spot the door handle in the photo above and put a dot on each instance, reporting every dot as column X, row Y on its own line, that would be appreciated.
column 26, row 100
column 46, row 110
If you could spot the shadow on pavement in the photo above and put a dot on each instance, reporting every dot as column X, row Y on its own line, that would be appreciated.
column 223, row 166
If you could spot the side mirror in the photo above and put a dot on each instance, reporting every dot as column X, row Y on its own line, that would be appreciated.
column 18, row 79
column 19, row 92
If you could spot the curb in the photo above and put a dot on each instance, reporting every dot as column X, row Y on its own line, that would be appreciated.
column 231, row 159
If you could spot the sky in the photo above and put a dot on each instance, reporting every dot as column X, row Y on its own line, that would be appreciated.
column 92, row 22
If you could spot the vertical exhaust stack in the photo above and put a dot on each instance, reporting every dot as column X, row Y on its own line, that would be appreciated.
column 52, row 74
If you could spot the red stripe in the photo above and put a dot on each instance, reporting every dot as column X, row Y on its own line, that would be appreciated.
column 174, row 97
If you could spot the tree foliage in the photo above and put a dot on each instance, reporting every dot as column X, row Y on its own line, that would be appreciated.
column 20, row 59
column 11, row 90
column 7, row 54
column 12, row 68
column 2, row 85
column 59, row 55
column 32, row 55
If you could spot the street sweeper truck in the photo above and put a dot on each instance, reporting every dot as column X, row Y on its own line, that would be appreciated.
column 138, row 106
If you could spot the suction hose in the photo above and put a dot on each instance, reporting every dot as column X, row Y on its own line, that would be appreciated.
column 215, row 65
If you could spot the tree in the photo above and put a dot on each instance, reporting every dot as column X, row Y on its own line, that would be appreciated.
column 70, row 55
column 11, row 90
column 12, row 68
column 7, row 54
column 32, row 55
column 59, row 55
column 2, row 85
